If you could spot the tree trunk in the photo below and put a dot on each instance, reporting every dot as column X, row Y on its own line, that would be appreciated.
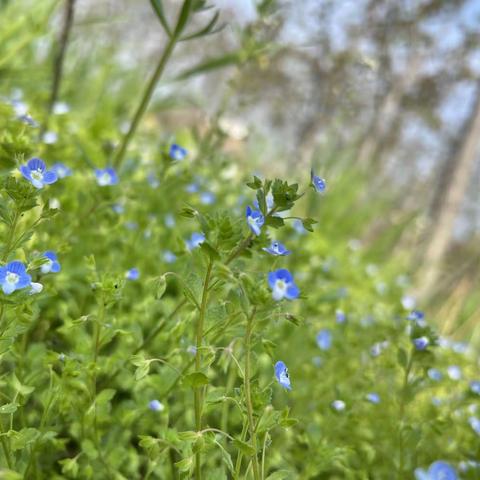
column 454, row 183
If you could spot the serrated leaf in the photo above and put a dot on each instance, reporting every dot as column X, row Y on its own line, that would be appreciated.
column 24, row 437
column 244, row 447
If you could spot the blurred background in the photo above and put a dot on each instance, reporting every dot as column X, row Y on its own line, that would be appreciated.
column 380, row 97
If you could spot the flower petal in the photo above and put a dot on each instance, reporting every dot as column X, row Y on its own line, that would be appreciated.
column 49, row 177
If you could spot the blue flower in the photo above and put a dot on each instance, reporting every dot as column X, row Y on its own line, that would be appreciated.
column 434, row 374
column 169, row 220
column 438, row 470
column 153, row 180
column 14, row 276
column 207, row 198
column 156, row 406
column 132, row 274
column 338, row 405
column 281, row 372
column 177, row 152
column 324, row 339
column 421, row 343
column 35, row 171
column 118, row 208
column 454, row 372
column 106, row 176
column 255, row 220
column 373, row 398
column 61, row 170
column 51, row 265
column 340, row 316
column 195, row 240
column 192, row 188
column 475, row 424
column 276, row 248
column 475, row 386
column 418, row 317
column 318, row 183
column 298, row 227
column 268, row 200
column 35, row 288
column 169, row 257
column 282, row 285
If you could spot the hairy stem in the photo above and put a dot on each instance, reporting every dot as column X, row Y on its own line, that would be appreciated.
column 198, row 392
column 248, row 393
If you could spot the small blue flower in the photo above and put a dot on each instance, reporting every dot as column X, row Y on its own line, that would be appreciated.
column 152, row 180
column 421, row 343
column 195, row 240
column 340, row 316
column 35, row 288
column 51, row 265
column 156, row 406
column 338, row 405
column 207, row 198
column 324, row 339
column 61, row 170
column 132, row 274
column 454, row 372
column 475, row 424
column 192, row 188
column 418, row 317
column 281, row 372
column 438, row 470
column 282, row 285
column 169, row 257
column 177, row 152
column 14, row 276
column 268, row 200
column 434, row 374
column 318, row 183
column 106, row 176
column 35, row 171
column 276, row 248
column 255, row 220
column 298, row 227
column 169, row 220
column 373, row 398
column 475, row 386
column 118, row 208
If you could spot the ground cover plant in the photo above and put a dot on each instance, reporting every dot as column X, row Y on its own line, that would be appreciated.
column 168, row 312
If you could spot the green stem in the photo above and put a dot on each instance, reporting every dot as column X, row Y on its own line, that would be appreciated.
column 401, row 449
column 238, row 463
column 5, row 447
column 198, row 394
column 248, row 393
column 142, row 107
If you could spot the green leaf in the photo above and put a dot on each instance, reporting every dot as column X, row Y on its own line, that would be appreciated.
column 185, row 465
column 275, row 222
column 158, row 7
column 244, row 447
column 8, row 408
column 142, row 370
column 69, row 466
column 183, row 17
column 211, row 252
column 255, row 184
column 195, row 379
column 24, row 437
column 105, row 396
column 207, row 30
column 308, row 224
column 161, row 287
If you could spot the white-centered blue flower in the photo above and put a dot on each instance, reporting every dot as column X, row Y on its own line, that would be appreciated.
column 454, row 372
column 324, row 339
column 282, row 285
column 169, row 257
column 207, row 198
column 434, row 374
column 132, row 274
column 277, row 249
column 156, row 406
column 438, row 470
column 177, row 152
column 195, row 240
column 340, row 316
column 52, row 264
column 373, row 398
column 255, row 220
column 61, row 170
column 318, row 183
column 338, row 405
column 281, row 373
column 106, row 176
column 35, row 171
column 421, row 343
column 14, row 276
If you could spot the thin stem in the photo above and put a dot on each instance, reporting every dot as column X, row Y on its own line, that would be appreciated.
column 238, row 463
column 5, row 447
column 248, row 393
column 142, row 107
column 60, row 60
column 198, row 394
